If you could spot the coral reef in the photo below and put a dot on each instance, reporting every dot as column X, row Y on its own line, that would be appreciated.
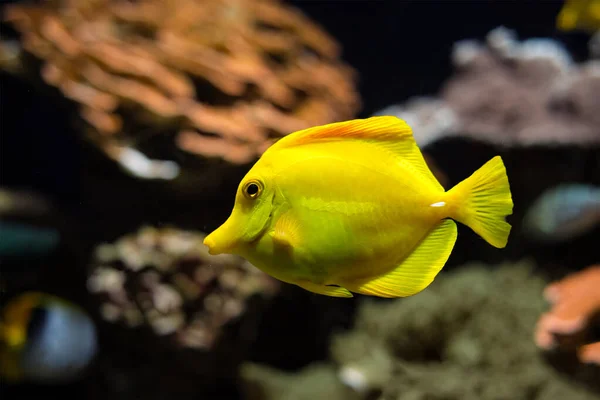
column 224, row 77
column 468, row 336
column 509, row 93
column 178, row 320
column 575, row 304
column 165, row 278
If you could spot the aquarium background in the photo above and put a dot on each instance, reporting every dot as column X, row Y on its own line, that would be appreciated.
column 281, row 342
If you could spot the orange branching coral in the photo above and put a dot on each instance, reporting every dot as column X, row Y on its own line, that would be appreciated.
column 575, row 303
column 225, row 76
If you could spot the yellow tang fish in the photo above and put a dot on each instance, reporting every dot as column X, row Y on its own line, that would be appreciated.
column 352, row 207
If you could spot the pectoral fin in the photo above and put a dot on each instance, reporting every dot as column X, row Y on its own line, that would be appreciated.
column 287, row 231
column 333, row 291
column 417, row 271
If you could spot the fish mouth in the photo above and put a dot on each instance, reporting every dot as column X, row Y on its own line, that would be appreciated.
column 213, row 248
column 221, row 240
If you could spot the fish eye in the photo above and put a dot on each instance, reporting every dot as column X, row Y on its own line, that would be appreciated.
column 253, row 189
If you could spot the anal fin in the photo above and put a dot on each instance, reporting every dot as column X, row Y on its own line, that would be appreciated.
column 418, row 270
column 333, row 291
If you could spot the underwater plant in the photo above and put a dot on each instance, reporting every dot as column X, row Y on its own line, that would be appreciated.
column 468, row 337
column 510, row 93
column 220, row 77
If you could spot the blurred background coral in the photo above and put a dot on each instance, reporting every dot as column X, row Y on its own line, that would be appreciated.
column 125, row 128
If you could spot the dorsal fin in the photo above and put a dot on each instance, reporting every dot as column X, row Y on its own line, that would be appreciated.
column 380, row 128
column 388, row 132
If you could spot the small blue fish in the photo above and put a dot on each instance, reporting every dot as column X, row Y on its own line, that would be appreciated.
column 45, row 339
column 563, row 212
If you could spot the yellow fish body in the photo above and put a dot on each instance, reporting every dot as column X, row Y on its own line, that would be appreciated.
column 352, row 207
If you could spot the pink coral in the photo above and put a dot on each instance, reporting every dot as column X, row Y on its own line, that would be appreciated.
column 575, row 303
column 511, row 93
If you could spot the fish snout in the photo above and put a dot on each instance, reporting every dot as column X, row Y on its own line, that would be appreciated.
column 210, row 242
column 222, row 240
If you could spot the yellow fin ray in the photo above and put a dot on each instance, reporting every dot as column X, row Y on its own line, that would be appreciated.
column 286, row 231
column 388, row 132
column 333, row 291
column 483, row 200
column 418, row 270
column 408, row 151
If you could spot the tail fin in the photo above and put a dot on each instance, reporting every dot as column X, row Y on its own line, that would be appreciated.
column 483, row 200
